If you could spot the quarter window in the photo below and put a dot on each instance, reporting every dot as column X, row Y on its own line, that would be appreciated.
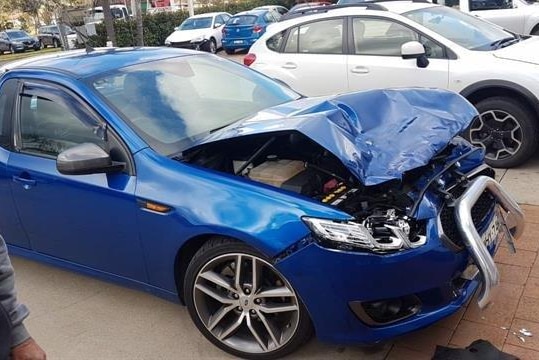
column 52, row 124
column 274, row 43
column 320, row 37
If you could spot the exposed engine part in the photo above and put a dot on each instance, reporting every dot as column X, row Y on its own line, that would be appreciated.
column 256, row 154
column 276, row 172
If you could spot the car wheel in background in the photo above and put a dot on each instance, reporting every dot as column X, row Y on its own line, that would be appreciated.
column 212, row 46
column 242, row 304
column 230, row 51
column 55, row 43
column 506, row 129
column 11, row 50
column 535, row 30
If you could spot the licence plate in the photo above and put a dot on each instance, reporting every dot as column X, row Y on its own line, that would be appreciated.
column 493, row 232
column 238, row 41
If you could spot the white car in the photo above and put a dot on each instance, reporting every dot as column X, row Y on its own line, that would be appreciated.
column 408, row 43
column 200, row 32
column 518, row 16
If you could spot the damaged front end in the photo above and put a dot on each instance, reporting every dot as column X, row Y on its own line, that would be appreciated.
column 418, row 198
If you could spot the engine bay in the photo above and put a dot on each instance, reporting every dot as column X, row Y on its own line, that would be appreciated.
column 293, row 162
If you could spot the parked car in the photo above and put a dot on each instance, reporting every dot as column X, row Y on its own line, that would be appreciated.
column 200, row 32
column 244, row 28
column 264, row 217
column 519, row 16
column 50, row 36
column 496, row 70
column 303, row 7
column 17, row 41
column 281, row 10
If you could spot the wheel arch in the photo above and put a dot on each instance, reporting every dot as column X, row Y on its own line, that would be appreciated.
column 490, row 88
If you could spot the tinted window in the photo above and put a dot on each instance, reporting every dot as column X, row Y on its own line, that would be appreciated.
column 52, row 124
column 9, row 87
column 490, row 4
column 380, row 37
column 171, row 103
column 242, row 20
column 274, row 43
column 320, row 37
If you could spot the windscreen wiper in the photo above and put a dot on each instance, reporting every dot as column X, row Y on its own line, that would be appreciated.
column 505, row 42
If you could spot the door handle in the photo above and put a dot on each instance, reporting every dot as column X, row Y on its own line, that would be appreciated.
column 289, row 65
column 360, row 70
column 26, row 183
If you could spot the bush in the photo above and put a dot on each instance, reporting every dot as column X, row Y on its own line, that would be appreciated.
column 157, row 27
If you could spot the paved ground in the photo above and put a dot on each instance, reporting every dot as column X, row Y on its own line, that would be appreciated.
column 77, row 317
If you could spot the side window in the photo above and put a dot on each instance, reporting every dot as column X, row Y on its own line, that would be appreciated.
column 274, row 43
column 490, row 4
column 320, row 37
column 268, row 17
column 218, row 21
column 8, row 88
column 380, row 37
column 52, row 123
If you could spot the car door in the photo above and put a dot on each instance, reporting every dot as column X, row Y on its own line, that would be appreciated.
column 10, row 226
column 312, row 59
column 504, row 13
column 84, row 219
column 375, row 59
column 218, row 29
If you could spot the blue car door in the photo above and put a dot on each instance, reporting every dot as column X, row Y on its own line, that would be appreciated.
column 10, row 226
column 84, row 219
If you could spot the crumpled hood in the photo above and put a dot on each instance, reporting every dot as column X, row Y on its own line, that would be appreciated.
column 187, row 35
column 526, row 51
column 378, row 135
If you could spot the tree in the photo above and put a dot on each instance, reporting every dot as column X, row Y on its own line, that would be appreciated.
column 109, row 25
column 138, row 19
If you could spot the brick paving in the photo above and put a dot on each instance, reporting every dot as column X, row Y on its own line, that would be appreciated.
column 515, row 306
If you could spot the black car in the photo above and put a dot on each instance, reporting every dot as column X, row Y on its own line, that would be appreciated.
column 50, row 35
column 17, row 41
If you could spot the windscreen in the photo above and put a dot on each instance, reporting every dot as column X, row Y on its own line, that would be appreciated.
column 196, row 23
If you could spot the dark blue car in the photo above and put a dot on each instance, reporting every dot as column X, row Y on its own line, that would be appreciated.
column 361, row 216
column 244, row 28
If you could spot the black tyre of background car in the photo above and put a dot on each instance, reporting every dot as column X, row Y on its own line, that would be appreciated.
column 212, row 249
column 11, row 50
column 525, row 118
column 212, row 46
column 230, row 51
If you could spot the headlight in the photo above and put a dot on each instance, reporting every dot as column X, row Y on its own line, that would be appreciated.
column 198, row 39
column 350, row 235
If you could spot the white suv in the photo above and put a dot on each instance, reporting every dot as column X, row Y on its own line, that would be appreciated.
column 412, row 43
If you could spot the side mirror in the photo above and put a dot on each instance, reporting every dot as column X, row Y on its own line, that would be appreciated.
column 86, row 158
column 176, row 28
column 216, row 25
column 415, row 50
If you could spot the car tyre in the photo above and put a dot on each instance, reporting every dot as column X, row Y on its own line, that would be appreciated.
column 230, row 51
column 229, row 303
column 11, row 50
column 55, row 43
column 506, row 129
column 211, row 46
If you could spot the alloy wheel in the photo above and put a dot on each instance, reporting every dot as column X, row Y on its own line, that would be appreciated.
column 245, row 303
column 498, row 132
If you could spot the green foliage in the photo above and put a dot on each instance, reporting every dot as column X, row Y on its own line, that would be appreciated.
column 160, row 25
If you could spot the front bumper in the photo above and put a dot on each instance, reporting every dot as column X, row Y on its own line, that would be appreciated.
column 199, row 45
column 511, row 226
column 330, row 281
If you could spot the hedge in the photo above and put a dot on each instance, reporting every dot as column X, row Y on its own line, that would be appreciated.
column 158, row 26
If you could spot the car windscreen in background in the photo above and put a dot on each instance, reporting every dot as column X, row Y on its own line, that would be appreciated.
column 242, row 20
column 197, row 23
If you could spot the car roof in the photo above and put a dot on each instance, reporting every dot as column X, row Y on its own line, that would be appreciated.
column 252, row 12
column 402, row 6
column 206, row 15
column 80, row 63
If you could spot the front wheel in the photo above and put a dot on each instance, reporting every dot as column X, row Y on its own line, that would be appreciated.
column 506, row 129
column 242, row 304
